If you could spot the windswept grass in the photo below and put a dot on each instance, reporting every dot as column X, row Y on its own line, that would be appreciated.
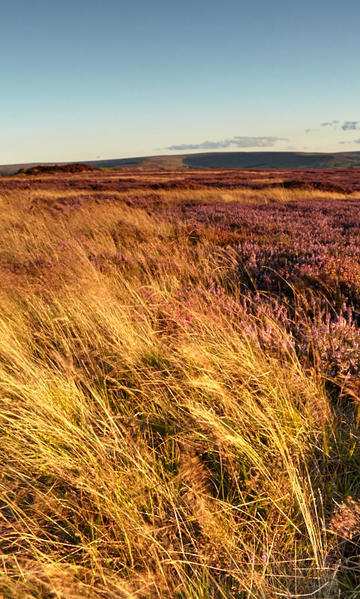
column 172, row 426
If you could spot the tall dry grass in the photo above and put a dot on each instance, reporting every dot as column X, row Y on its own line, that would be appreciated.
column 152, row 445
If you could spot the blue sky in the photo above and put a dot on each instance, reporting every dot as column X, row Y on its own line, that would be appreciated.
column 90, row 79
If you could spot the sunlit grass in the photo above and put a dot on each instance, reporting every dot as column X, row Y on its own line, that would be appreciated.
column 160, row 436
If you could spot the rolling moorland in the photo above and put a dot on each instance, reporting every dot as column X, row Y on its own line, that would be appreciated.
column 180, row 392
column 222, row 160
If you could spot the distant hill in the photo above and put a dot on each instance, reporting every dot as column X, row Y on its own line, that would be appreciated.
column 216, row 160
column 265, row 160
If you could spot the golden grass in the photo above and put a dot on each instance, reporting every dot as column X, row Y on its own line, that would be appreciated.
column 150, row 446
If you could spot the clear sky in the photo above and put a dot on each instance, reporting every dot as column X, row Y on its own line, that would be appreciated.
column 87, row 79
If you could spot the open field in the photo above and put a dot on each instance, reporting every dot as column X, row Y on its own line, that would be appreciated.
column 180, row 391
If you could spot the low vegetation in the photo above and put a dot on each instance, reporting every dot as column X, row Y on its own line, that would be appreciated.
column 179, row 372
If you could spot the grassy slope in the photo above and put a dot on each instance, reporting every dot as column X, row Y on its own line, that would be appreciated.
column 219, row 160
column 153, row 445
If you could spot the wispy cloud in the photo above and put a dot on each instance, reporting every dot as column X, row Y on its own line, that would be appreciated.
column 237, row 141
column 333, row 124
column 350, row 125
column 349, row 143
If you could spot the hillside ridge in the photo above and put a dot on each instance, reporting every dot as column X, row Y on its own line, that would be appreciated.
column 213, row 160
